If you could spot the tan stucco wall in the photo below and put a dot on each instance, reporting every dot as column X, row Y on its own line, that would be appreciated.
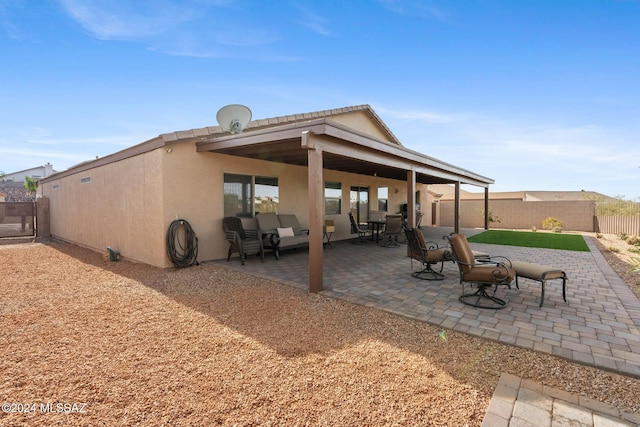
column 193, row 189
column 130, row 204
column 293, row 195
column 120, row 207
column 361, row 121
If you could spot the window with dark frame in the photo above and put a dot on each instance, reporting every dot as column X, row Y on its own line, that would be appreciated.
column 332, row 198
column 246, row 195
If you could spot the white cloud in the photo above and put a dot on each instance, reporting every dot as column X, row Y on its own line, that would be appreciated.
column 31, row 147
column 423, row 9
column 522, row 155
column 426, row 117
column 127, row 20
column 195, row 28
column 313, row 21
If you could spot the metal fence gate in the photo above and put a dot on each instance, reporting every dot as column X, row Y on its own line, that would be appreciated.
column 17, row 219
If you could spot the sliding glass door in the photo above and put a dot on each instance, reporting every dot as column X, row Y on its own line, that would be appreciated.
column 360, row 203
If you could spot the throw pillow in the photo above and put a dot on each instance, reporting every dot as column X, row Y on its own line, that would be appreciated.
column 285, row 232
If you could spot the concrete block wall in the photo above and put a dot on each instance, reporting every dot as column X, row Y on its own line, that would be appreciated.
column 516, row 214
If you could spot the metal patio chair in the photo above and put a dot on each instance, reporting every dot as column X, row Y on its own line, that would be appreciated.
column 483, row 273
column 427, row 253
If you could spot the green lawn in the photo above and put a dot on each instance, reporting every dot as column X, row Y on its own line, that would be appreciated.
column 530, row 239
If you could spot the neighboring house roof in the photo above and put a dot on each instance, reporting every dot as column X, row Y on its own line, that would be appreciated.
column 567, row 196
column 44, row 169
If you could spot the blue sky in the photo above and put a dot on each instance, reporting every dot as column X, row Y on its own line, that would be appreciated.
column 538, row 95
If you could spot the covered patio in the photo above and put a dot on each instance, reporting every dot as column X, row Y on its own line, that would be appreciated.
column 598, row 326
column 323, row 144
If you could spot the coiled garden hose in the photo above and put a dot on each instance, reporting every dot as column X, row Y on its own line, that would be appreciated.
column 182, row 252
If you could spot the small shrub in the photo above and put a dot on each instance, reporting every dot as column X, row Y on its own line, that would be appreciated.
column 635, row 250
column 633, row 240
column 557, row 229
column 623, row 236
column 552, row 223
column 599, row 235
column 635, row 266
column 491, row 217
column 613, row 249
column 533, row 228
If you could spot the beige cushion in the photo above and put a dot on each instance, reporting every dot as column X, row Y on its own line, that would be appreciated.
column 285, row 232
column 290, row 220
column 537, row 271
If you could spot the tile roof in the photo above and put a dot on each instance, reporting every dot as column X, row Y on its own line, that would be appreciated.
column 279, row 120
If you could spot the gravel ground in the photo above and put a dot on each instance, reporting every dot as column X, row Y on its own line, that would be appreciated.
column 616, row 252
column 131, row 344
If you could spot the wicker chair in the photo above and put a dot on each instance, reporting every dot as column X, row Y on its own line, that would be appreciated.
column 240, row 240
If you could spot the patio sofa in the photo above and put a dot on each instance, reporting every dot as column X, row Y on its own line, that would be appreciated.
column 281, row 231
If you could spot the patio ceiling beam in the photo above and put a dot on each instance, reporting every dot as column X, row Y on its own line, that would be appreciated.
column 424, row 162
column 388, row 158
column 268, row 150
column 258, row 137
column 266, row 144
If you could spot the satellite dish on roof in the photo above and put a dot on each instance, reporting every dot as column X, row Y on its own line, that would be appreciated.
column 234, row 118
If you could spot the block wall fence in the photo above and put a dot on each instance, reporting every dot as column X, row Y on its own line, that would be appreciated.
column 516, row 214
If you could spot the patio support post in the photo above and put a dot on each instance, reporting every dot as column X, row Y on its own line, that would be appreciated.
column 411, row 198
column 316, row 194
column 456, row 220
column 486, row 208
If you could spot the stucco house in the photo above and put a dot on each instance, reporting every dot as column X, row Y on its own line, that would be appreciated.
column 36, row 172
column 316, row 165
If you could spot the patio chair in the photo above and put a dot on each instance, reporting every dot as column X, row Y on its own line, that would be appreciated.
column 428, row 253
column 392, row 231
column 241, row 240
column 362, row 230
column 481, row 272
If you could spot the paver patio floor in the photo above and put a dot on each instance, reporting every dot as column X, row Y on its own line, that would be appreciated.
column 599, row 325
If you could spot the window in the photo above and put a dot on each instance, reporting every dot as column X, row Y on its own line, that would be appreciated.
column 244, row 195
column 332, row 198
column 266, row 194
column 383, row 199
